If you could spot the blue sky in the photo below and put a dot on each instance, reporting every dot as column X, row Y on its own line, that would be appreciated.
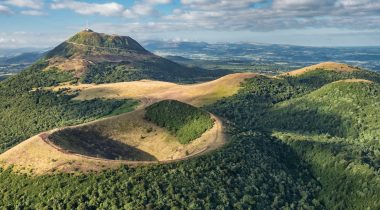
column 43, row 23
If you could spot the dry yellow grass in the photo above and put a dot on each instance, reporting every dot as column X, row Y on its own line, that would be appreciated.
column 77, row 65
column 354, row 80
column 195, row 94
column 329, row 66
column 38, row 155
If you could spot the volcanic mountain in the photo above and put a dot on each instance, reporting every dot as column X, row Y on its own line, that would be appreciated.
column 100, row 58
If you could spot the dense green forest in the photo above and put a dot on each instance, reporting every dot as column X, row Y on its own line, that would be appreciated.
column 253, row 171
column 182, row 120
column 26, row 110
column 295, row 143
column 155, row 68
column 333, row 127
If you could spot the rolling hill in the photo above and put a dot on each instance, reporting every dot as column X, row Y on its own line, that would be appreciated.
column 330, row 122
column 24, row 58
column 327, row 66
column 316, row 76
column 336, row 129
column 304, row 140
column 199, row 94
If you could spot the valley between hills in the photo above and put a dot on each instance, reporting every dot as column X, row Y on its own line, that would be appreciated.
column 102, row 123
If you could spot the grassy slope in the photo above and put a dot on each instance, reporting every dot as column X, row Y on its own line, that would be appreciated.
column 184, row 121
column 326, row 66
column 124, row 108
column 197, row 94
column 93, row 143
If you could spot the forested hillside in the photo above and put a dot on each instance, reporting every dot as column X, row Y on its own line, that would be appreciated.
column 334, row 128
column 26, row 109
column 182, row 120
column 254, row 170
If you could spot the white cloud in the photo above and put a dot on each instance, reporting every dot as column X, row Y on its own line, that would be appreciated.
column 350, row 3
column 219, row 4
column 158, row 1
column 144, row 8
column 139, row 9
column 34, row 4
column 250, row 15
column 84, row 8
column 33, row 13
column 26, row 39
column 5, row 10
column 261, row 15
column 298, row 4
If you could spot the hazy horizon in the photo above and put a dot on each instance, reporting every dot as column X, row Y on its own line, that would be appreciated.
column 48, row 47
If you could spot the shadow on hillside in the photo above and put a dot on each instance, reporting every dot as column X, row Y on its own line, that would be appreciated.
column 281, row 163
column 94, row 144
column 343, row 150
column 301, row 118
column 343, row 179
column 318, row 78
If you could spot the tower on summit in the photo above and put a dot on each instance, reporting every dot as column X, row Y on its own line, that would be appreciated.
column 87, row 28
